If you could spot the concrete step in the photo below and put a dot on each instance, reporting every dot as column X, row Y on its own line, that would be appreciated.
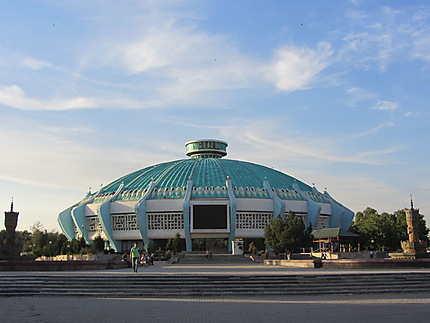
column 193, row 258
column 210, row 285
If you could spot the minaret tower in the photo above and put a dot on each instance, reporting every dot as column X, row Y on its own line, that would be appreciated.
column 413, row 248
column 413, row 220
column 10, row 222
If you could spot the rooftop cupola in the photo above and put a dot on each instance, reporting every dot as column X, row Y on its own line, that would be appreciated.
column 206, row 148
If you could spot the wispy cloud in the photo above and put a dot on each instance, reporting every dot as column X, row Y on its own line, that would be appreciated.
column 421, row 47
column 48, row 157
column 14, row 96
column 359, row 192
column 14, row 59
column 172, row 65
column 292, row 145
column 396, row 36
column 295, row 68
column 178, row 121
column 372, row 131
column 169, row 46
column 185, row 66
column 385, row 105
column 35, row 64
column 358, row 94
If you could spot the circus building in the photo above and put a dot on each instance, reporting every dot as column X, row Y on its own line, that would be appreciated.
column 208, row 199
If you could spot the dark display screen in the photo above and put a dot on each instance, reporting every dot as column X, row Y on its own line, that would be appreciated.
column 210, row 216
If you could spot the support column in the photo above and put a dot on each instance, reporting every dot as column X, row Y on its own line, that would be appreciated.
column 186, row 214
column 278, row 203
column 80, row 221
column 233, row 205
column 74, row 216
column 313, row 208
column 105, row 219
column 140, row 211
column 66, row 223
column 341, row 217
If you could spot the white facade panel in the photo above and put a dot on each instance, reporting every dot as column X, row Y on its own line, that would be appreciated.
column 249, row 234
column 91, row 209
column 164, row 205
column 296, row 206
column 325, row 208
column 119, row 207
column 126, row 235
column 243, row 204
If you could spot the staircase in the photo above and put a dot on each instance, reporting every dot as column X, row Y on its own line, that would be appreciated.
column 135, row 285
column 217, row 258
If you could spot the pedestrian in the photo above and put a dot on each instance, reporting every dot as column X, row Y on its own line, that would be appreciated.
column 142, row 260
column 126, row 260
column 134, row 256
column 152, row 258
column 324, row 255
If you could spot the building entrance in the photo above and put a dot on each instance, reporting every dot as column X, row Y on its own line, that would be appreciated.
column 214, row 244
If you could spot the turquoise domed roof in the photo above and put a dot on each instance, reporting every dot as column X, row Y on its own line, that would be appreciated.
column 208, row 172
column 209, row 177
column 177, row 188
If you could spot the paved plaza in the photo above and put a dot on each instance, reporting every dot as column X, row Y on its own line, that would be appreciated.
column 392, row 307
column 343, row 308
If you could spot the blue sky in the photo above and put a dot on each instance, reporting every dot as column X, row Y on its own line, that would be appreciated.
column 334, row 93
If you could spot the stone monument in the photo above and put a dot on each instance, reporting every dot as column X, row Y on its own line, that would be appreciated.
column 10, row 222
column 413, row 248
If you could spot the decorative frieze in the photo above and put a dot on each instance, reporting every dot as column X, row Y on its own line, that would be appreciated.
column 252, row 220
column 165, row 221
column 124, row 222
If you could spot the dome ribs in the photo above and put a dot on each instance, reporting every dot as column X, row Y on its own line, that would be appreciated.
column 178, row 175
column 208, row 173
column 173, row 185
column 209, row 179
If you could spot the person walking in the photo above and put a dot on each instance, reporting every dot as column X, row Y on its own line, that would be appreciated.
column 134, row 256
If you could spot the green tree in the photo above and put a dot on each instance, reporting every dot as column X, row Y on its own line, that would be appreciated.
column 286, row 234
column 169, row 245
column 384, row 231
column 39, row 240
column 176, row 243
column 2, row 239
column 78, row 246
column 98, row 245
column 422, row 226
column 43, row 243
column 23, row 240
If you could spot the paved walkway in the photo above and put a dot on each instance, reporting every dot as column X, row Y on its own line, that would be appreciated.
column 359, row 308
column 309, row 308
column 161, row 268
